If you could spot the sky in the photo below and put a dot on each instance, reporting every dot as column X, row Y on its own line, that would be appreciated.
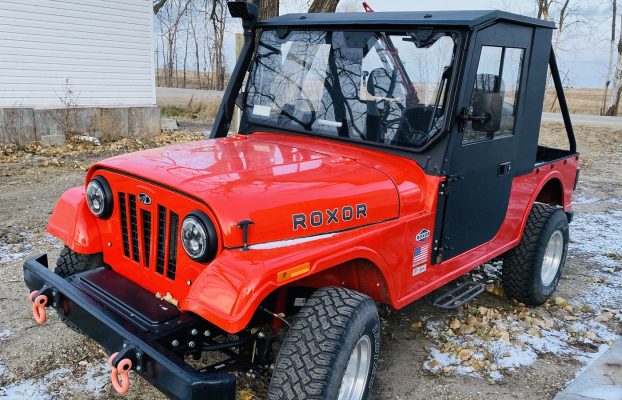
column 584, row 48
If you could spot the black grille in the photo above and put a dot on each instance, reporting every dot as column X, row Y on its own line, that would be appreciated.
column 124, row 234
column 161, row 239
column 138, row 239
column 134, row 228
column 172, row 246
column 146, row 219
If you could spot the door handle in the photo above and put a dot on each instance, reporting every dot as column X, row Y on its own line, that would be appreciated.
column 504, row 168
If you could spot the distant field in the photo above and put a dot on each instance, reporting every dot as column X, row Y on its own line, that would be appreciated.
column 580, row 101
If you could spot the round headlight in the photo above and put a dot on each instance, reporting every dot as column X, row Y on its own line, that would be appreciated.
column 99, row 197
column 198, row 236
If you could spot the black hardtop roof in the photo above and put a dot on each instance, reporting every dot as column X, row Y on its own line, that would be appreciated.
column 468, row 18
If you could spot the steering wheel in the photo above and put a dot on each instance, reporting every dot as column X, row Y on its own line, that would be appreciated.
column 414, row 137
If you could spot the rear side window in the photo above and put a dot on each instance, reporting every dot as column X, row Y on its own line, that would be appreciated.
column 496, row 91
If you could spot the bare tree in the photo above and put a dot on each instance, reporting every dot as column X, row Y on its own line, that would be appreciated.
column 612, row 51
column 195, row 39
column 169, row 20
column 613, row 105
column 218, row 19
column 543, row 7
column 267, row 8
column 157, row 5
column 563, row 13
column 323, row 6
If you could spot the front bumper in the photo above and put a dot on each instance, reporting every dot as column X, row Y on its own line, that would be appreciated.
column 123, row 333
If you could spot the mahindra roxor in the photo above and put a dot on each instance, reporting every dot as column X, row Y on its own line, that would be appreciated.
column 379, row 157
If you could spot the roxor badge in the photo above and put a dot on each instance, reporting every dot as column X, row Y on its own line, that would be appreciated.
column 329, row 216
column 423, row 235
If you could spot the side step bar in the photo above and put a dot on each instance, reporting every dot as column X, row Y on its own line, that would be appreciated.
column 458, row 296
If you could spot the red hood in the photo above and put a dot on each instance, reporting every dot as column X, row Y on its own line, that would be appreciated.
column 270, row 182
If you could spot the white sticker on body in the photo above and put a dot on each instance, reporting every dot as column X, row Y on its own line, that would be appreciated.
column 262, row 111
column 419, row 270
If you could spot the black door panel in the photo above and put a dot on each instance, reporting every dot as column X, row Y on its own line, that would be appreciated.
column 479, row 168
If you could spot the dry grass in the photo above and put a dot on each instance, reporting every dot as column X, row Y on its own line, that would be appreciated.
column 74, row 148
column 580, row 101
column 203, row 111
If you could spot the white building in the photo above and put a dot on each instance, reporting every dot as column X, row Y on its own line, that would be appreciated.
column 74, row 54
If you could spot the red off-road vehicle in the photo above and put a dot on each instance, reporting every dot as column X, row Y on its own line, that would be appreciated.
column 380, row 156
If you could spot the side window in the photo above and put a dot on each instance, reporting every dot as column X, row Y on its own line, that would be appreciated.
column 494, row 100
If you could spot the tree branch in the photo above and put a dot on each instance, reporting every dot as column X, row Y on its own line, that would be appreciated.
column 157, row 5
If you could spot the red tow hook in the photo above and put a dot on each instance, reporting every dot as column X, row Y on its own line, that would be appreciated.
column 122, row 369
column 38, row 306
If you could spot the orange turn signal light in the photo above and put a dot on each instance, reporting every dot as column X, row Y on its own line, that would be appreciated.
column 293, row 272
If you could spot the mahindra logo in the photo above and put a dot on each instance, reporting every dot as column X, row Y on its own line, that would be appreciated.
column 144, row 198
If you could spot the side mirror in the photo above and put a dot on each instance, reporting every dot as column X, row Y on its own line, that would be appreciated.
column 486, row 113
column 380, row 85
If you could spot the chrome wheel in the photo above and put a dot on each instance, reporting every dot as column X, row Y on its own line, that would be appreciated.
column 354, row 379
column 552, row 258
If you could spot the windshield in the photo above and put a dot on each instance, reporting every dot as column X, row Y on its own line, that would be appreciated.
column 387, row 88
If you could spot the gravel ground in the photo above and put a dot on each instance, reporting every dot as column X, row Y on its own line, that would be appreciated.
column 494, row 348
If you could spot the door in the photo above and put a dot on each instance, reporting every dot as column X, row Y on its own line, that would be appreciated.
column 484, row 144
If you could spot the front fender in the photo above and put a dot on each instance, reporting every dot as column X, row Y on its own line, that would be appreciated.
column 73, row 223
column 229, row 291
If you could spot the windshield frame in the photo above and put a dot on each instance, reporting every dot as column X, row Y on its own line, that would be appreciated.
column 460, row 36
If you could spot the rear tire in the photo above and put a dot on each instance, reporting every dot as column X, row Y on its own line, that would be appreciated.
column 332, row 343
column 531, row 271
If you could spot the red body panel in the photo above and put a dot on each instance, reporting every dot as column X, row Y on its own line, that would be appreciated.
column 254, row 179
column 73, row 223
column 268, row 177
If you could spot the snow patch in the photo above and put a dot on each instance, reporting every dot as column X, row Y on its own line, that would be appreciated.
column 581, row 198
column 10, row 252
column 4, row 335
column 33, row 389
column 598, row 235
column 93, row 383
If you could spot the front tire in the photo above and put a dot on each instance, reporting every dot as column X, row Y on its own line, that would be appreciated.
column 70, row 263
column 331, row 349
column 531, row 271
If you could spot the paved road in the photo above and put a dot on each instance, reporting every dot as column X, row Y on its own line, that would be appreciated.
column 181, row 97
column 580, row 119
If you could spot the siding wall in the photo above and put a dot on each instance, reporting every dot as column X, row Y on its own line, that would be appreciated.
column 57, row 53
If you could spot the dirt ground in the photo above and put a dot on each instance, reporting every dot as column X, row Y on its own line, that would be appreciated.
column 494, row 348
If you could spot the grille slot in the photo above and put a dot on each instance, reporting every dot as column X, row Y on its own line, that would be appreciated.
column 124, row 234
column 161, row 239
column 172, row 246
column 146, row 220
column 134, row 228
